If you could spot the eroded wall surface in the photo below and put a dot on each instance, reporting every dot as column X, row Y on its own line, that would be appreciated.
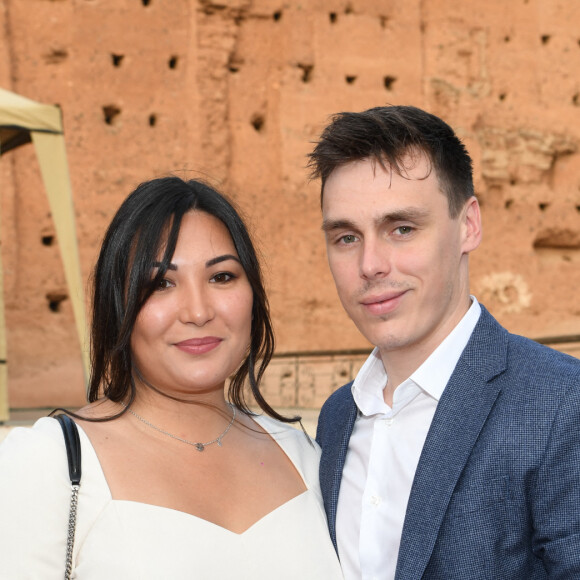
column 235, row 92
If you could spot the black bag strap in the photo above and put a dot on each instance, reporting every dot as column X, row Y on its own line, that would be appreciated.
column 73, row 452
column 73, row 447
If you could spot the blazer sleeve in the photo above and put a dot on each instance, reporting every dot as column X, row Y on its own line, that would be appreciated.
column 34, row 503
column 556, row 495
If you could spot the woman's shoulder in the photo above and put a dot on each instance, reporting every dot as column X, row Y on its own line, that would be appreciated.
column 43, row 441
column 293, row 439
column 278, row 429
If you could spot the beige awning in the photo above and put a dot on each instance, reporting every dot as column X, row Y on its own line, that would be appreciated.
column 21, row 121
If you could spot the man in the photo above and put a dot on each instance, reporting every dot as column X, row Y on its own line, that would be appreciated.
column 455, row 452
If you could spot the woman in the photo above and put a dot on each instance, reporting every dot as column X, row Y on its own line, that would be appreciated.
column 178, row 481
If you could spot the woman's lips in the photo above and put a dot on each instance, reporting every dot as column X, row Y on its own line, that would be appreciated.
column 199, row 345
column 382, row 304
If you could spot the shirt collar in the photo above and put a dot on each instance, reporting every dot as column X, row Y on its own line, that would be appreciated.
column 432, row 376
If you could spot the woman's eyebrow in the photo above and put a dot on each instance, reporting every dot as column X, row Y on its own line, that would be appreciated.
column 169, row 266
column 219, row 259
column 208, row 264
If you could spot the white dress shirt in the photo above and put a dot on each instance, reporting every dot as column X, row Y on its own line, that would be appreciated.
column 383, row 454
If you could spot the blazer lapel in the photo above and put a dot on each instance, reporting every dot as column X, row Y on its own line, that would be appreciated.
column 334, row 455
column 462, row 411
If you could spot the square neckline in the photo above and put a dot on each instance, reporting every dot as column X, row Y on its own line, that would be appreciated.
column 259, row 420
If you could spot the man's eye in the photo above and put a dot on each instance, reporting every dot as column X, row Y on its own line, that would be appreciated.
column 222, row 277
column 348, row 239
column 404, row 230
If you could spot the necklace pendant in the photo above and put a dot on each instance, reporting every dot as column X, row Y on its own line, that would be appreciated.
column 200, row 446
column 219, row 442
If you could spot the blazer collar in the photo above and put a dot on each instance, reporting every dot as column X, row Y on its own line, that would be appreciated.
column 334, row 454
column 462, row 411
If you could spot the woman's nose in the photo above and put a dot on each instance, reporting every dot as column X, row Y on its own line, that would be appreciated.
column 196, row 307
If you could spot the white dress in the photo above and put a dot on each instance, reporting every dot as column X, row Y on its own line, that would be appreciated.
column 129, row 540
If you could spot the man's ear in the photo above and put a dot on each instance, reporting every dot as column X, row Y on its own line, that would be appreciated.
column 471, row 225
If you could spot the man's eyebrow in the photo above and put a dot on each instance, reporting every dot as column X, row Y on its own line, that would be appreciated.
column 223, row 258
column 410, row 214
column 399, row 215
column 330, row 225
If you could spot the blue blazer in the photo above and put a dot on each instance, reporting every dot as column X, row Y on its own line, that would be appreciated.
column 496, row 494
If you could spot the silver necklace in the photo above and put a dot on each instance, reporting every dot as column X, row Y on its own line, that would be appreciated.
column 198, row 446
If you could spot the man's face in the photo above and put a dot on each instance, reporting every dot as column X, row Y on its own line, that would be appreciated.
column 398, row 260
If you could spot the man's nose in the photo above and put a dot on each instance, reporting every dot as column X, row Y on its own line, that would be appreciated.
column 375, row 259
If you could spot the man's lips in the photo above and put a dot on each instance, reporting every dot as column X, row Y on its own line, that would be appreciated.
column 379, row 304
column 199, row 345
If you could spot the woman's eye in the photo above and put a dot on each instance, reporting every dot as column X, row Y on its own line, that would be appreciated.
column 222, row 277
column 164, row 284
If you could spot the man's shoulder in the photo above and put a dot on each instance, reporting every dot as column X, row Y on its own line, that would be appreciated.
column 521, row 356
column 490, row 327
column 339, row 409
column 521, row 344
column 339, row 398
column 339, row 405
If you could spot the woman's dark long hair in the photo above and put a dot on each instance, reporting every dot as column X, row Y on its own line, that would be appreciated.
column 147, row 223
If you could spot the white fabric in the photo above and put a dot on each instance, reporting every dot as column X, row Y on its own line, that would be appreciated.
column 383, row 454
column 130, row 540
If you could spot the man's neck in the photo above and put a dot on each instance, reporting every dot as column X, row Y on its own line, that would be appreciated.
column 401, row 363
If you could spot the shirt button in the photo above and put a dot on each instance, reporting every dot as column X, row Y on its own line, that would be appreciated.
column 388, row 422
column 375, row 500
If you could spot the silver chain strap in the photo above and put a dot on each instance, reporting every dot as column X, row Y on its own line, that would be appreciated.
column 72, row 522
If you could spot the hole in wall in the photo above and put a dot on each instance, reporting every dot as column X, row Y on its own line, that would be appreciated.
column 557, row 239
column 384, row 20
column 110, row 112
column 56, row 56
column 47, row 240
column 332, row 17
column 502, row 96
column 545, row 38
column 348, row 9
column 542, row 206
column 350, row 79
column 578, row 208
column 508, row 203
column 152, row 120
column 576, row 99
column 258, row 122
column 55, row 299
column 513, row 181
column 389, row 81
column 172, row 62
column 277, row 15
column 146, row 2
column 506, row 38
column 117, row 59
column 306, row 72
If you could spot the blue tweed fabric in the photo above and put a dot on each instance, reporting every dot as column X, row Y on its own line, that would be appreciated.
column 496, row 495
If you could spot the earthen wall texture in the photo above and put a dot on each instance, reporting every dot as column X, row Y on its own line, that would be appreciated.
column 235, row 92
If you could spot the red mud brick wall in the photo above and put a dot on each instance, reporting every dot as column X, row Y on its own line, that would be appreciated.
column 235, row 91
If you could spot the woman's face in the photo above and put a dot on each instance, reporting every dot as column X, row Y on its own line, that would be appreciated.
column 194, row 330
